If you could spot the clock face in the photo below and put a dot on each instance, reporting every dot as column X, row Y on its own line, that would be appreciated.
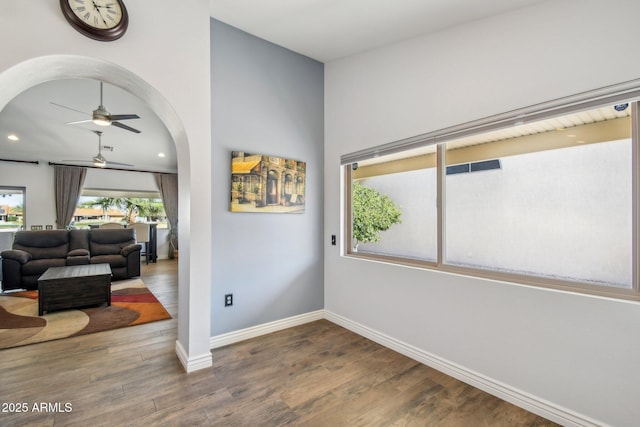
column 102, row 14
column 103, row 20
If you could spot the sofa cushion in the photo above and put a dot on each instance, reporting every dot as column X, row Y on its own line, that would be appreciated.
column 113, row 260
column 78, row 252
column 79, row 239
column 39, row 266
column 43, row 244
column 78, row 257
column 109, row 241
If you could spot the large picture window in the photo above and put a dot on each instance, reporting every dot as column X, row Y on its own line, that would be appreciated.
column 549, row 202
column 97, row 207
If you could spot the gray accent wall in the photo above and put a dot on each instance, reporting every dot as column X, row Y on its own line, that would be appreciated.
column 268, row 100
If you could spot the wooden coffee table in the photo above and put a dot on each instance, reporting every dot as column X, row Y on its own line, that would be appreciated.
column 74, row 286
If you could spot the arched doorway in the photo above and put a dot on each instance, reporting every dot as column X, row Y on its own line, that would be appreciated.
column 192, row 346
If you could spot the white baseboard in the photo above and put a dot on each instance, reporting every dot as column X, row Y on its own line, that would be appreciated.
column 265, row 328
column 519, row 398
column 194, row 364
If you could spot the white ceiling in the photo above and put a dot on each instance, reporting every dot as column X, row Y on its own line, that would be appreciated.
column 321, row 29
column 45, row 136
column 326, row 30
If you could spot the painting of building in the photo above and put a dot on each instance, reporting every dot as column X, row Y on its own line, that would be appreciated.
column 262, row 183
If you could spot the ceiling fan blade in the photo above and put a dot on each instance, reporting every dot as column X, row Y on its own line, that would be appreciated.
column 78, row 122
column 118, row 164
column 106, row 163
column 124, row 116
column 125, row 127
column 69, row 108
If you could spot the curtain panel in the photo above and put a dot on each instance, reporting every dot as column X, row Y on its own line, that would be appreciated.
column 68, row 186
column 168, row 186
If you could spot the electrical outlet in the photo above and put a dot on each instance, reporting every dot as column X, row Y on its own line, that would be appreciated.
column 228, row 300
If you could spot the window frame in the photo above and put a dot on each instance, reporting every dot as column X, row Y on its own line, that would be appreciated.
column 23, row 190
column 123, row 194
column 611, row 95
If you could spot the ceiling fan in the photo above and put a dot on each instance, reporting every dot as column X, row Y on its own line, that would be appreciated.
column 102, row 117
column 99, row 160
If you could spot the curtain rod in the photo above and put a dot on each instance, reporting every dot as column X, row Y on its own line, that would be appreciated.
column 33, row 162
column 113, row 169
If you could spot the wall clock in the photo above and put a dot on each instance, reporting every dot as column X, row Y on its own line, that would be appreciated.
column 103, row 20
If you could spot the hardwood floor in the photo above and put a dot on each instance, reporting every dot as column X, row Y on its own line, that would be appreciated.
column 317, row 374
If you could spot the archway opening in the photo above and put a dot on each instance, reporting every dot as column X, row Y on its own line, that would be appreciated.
column 32, row 72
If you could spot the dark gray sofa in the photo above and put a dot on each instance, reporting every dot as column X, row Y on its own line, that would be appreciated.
column 33, row 252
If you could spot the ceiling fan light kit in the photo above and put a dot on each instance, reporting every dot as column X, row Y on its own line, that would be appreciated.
column 99, row 160
column 102, row 117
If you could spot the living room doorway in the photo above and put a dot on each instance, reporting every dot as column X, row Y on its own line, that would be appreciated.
column 192, row 345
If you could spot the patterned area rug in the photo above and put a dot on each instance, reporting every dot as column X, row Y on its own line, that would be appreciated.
column 132, row 303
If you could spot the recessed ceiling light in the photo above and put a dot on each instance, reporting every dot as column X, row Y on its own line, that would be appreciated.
column 161, row 155
column 13, row 137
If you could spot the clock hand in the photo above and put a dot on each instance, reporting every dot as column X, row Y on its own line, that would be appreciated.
column 104, row 6
column 97, row 8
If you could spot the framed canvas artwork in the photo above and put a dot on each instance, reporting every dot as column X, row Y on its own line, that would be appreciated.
column 267, row 184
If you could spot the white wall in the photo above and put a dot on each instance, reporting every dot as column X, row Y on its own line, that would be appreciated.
column 38, row 182
column 574, row 353
column 103, row 179
column 163, row 59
